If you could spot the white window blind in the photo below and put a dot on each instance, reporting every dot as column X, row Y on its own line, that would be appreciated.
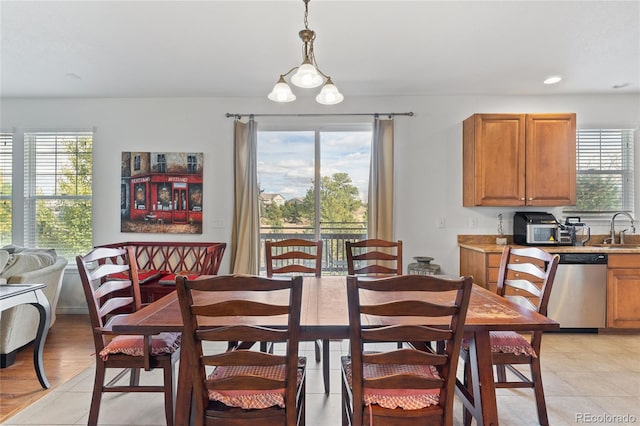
column 605, row 175
column 6, row 185
column 58, row 177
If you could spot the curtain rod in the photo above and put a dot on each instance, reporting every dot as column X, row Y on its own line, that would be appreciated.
column 374, row 114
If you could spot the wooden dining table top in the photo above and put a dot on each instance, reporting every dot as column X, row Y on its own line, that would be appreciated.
column 325, row 311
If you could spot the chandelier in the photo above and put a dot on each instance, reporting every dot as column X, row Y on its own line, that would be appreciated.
column 307, row 75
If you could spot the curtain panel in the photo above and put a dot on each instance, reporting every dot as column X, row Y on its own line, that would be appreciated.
column 245, row 237
column 380, row 210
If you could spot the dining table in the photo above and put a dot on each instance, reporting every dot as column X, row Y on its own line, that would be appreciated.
column 325, row 316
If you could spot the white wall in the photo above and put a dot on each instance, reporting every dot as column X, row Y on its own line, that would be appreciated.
column 428, row 156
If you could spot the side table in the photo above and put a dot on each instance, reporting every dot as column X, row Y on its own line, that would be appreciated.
column 17, row 294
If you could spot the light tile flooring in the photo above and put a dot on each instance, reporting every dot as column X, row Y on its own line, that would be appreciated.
column 589, row 379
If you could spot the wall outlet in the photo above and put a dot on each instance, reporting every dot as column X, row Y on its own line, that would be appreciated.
column 217, row 224
column 442, row 223
column 473, row 222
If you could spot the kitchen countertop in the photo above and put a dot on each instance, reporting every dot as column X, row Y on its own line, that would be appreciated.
column 486, row 244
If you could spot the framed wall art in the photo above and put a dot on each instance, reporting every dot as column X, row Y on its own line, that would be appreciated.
column 161, row 192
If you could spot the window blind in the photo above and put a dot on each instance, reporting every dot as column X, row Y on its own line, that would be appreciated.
column 605, row 174
column 6, row 185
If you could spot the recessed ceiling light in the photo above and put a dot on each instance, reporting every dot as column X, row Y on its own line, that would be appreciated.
column 620, row 86
column 553, row 79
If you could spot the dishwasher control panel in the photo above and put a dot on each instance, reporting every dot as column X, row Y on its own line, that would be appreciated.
column 583, row 258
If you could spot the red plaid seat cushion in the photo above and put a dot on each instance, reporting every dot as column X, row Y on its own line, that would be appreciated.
column 508, row 342
column 133, row 345
column 408, row 399
column 252, row 399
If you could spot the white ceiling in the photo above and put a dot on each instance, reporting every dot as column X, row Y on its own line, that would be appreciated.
column 239, row 48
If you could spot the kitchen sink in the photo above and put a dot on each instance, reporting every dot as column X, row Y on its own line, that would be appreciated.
column 615, row 246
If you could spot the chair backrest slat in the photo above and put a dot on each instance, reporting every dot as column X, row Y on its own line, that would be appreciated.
column 293, row 256
column 374, row 257
column 110, row 288
column 528, row 272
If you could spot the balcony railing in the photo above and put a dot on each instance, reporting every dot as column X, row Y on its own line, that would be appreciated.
column 333, row 236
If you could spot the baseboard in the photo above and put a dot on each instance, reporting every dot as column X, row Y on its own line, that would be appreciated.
column 71, row 310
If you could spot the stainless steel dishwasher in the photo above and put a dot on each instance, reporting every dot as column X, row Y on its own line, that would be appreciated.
column 579, row 294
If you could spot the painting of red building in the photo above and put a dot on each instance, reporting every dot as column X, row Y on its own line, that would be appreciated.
column 161, row 192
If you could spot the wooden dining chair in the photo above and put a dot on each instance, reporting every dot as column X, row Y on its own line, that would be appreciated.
column 374, row 257
column 526, row 277
column 297, row 256
column 243, row 386
column 293, row 256
column 129, row 353
column 406, row 386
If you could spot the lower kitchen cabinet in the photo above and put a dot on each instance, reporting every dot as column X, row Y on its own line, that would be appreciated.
column 483, row 267
column 623, row 291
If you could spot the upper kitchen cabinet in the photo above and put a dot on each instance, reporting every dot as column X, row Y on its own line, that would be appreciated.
column 519, row 160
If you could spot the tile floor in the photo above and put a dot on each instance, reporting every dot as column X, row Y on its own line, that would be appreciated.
column 589, row 379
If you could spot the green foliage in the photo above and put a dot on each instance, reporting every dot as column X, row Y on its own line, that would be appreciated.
column 5, row 210
column 597, row 193
column 273, row 215
column 338, row 200
column 292, row 211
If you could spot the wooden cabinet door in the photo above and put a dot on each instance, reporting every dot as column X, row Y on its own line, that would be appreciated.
column 623, row 298
column 493, row 160
column 550, row 159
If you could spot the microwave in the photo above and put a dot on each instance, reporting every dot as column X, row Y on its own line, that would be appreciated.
column 538, row 229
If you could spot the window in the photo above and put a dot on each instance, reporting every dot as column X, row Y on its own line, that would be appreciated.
column 6, row 184
column 58, row 176
column 136, row 163
column 192, row 164
column 162, row 163
column 313, row 185
column 605, row 175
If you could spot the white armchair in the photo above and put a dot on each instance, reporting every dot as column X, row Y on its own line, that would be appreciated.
column 18, row 325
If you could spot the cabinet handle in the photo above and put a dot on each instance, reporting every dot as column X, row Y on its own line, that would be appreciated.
column 530, row 198
column 522, row 199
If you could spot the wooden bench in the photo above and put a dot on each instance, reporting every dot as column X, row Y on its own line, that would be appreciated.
column 201, row 258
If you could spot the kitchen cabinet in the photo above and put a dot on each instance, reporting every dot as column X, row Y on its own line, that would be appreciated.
column 483, row 267
column 519, row 160
column 623, row 291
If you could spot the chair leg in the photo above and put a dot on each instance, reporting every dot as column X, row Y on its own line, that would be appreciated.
column 466, row 415
column 344, row 403
column 536, row 378
column 96, row 397
column 317, row 346
column 134, row 378
column 168, row 394
column 325, row 365
column 501, row 373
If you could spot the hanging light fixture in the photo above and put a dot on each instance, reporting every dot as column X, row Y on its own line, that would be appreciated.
column 307, row 75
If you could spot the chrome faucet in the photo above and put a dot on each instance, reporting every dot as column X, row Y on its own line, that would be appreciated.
column 613, row 227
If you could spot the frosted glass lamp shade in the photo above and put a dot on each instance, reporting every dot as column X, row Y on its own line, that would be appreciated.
column 329, row 95
column 281, row 92
column 307, row 76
